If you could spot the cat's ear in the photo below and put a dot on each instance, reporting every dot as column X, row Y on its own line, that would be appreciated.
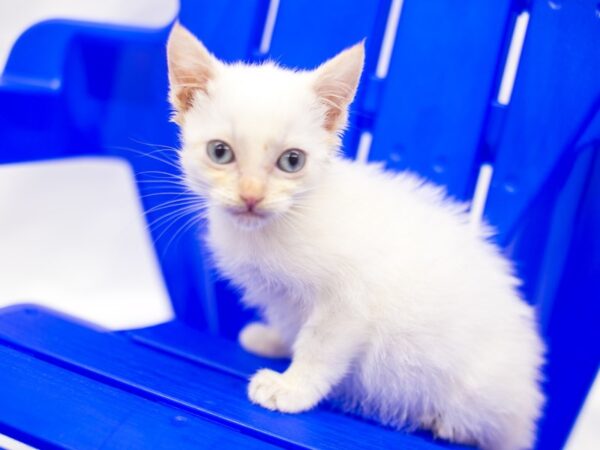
column 336, row 82
column 191, row 67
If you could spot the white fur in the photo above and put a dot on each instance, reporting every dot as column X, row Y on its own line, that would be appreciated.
column 390, row 306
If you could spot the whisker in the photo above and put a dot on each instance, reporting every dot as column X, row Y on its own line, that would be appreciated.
column 172, row 204
column 168, row 225
column 184, row 213
column 194, row 220
column 155, row 194
column 158, row 146
column 165, row 174
column 168, row 215
column 149, row 155
column 176, row 182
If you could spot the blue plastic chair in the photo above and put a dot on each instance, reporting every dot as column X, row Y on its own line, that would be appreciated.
column 74, row 88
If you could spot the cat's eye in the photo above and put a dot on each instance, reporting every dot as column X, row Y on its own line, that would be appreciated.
column 220, row 152
column 291, row 160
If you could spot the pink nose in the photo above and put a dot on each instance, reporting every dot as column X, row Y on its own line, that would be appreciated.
column 251, row 201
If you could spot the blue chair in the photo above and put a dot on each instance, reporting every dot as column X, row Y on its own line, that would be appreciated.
column 73, row 88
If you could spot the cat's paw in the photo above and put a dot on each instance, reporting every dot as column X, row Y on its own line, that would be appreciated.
column 263, row 340
column 280, row 392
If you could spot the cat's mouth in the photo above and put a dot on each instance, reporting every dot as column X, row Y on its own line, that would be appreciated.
column 249, row 219
column 247, row 213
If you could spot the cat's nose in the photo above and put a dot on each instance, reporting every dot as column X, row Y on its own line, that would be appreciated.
column 251, row 201
column 251, row 191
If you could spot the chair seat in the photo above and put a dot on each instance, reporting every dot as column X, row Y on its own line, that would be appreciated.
column 71, row 384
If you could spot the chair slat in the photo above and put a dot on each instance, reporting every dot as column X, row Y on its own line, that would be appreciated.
column 305, row 34
column 434, row 100
column 229, row 28
column 48, row 406
column 556, row 94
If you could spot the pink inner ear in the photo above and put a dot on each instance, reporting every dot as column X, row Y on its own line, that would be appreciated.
column 184, row 98
column 336, row 95
column 336, row 83
column 184, row 91
column 335, row 109
column 190, row 67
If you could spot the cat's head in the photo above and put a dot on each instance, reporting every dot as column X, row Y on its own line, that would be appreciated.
column 256, row 138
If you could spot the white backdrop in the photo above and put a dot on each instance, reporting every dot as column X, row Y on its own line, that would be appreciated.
column 72, row 234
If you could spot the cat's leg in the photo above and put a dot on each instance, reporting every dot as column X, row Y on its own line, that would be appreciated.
column 263, row 340
column 323, row 351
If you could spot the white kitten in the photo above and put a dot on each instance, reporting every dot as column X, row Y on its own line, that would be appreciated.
column 390, row 306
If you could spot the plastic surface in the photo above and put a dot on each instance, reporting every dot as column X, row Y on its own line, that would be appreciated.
column 76, row 88
column 143, row 393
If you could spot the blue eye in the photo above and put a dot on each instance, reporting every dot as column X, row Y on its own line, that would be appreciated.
column 291, row 160
column 220, row 152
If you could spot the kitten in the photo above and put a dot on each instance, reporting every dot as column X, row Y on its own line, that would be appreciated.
column 390, row 306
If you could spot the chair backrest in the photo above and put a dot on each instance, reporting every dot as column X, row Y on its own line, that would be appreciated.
column 433, row 99
column 544, row 196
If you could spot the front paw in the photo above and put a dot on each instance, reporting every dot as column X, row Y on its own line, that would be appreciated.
column 281, row 392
